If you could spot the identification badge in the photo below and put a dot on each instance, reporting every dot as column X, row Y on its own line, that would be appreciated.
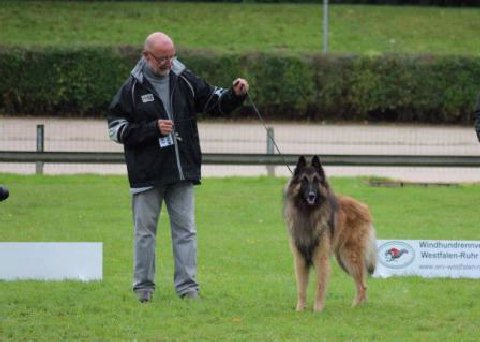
column 147, row 98
column 166, row 141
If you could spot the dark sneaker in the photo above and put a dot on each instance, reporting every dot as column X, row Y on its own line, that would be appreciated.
column 191, row 295
column 144, row 296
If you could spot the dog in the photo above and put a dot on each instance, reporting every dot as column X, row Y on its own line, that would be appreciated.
column 321, row 224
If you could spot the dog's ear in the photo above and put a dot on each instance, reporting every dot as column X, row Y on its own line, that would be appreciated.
column 317, row 165
column 301, row 164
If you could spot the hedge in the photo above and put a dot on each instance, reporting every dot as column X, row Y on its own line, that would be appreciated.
column 401, row 88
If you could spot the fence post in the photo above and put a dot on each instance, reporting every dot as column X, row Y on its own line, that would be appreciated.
column 270, row 149
column 325, row 26
column 40, row 141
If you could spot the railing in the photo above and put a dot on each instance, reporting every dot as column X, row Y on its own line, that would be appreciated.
column 249, row 159
column 270, row 159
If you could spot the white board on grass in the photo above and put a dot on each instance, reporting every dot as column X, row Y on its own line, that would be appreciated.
column 51, row 260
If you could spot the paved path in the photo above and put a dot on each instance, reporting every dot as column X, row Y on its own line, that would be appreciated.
column 90, row 135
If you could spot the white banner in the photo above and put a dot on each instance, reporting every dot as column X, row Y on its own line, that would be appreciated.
column 51, row 260
column 428, row 258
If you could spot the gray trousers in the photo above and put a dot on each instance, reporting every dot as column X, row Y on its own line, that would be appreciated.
column 146, row 207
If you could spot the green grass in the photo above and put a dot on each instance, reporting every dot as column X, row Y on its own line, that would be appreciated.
column 243, row 27
column 245, row 266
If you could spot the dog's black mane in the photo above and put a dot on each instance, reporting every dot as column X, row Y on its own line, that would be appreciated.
column 325, row 198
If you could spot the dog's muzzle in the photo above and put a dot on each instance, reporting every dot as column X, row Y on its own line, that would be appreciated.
column 311, row 198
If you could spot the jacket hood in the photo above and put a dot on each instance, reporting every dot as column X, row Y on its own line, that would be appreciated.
column 137, row 71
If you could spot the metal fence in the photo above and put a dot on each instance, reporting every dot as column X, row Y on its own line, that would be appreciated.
column 78, row 146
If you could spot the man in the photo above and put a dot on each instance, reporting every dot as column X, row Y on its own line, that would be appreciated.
column 476, row 115
column 154, row 115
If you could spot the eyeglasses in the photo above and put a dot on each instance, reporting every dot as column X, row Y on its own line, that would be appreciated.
column 163, row 59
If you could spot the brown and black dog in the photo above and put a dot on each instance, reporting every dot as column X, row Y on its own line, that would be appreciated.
column 321, row 224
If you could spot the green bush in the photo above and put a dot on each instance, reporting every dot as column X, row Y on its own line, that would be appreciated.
column 415, row 88
column 402, row 88
column 57, row 82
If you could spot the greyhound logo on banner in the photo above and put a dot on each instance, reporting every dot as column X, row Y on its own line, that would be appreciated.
column 396, row 254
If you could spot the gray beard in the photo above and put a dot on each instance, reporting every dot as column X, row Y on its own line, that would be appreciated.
column 154, row 73
column 162, row 73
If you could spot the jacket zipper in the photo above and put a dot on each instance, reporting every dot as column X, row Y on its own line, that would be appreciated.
column 174, row 136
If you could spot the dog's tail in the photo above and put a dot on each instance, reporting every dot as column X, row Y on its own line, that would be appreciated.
column 371, row 251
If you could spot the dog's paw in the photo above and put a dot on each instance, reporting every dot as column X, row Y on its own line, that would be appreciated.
column 359, row 301
column 300, row 307
column 360, row 298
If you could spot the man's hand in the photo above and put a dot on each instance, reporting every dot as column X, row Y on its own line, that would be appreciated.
column 165, row 126
column 240, row 87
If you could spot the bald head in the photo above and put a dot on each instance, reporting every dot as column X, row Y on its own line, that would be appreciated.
column 158, row 40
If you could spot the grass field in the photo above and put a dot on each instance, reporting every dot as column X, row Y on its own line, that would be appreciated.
column 245, row 266
column 243, row 27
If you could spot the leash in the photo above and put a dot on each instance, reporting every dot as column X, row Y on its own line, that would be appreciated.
column 268, row 133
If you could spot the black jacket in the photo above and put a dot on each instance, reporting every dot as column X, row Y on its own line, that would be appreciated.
column 132, row 121
column 476, row 115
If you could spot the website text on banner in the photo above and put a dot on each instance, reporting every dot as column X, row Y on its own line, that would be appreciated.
column 428, row 258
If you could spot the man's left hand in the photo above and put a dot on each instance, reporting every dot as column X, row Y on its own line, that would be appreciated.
column 240, row 87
